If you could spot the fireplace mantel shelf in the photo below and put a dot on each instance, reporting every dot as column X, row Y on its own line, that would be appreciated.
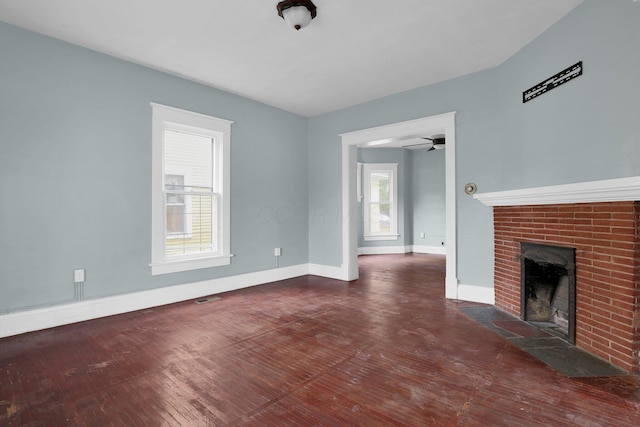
column 610, row 190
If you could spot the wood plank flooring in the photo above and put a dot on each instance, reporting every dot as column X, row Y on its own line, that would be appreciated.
column 385, row 350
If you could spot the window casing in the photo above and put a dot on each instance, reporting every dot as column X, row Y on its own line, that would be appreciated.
column 190, row 191
column 380, row 201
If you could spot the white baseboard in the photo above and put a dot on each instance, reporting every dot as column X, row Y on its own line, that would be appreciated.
column 49, row 317
column 327, row 271
column 439, row 250
column 383, row 250
column 451, row 287
column 476, row 294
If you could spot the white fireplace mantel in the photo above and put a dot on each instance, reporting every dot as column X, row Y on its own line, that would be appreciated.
column 610, row 190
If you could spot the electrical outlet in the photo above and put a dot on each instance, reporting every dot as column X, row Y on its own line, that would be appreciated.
column 423, row 235
column 277, row 251
column 78, row 276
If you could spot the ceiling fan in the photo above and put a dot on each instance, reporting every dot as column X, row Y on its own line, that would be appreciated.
column 436, row 142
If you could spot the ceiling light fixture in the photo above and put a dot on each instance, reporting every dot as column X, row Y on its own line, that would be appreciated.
column 297, row 13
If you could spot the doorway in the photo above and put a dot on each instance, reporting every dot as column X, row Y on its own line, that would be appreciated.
column 387, row 136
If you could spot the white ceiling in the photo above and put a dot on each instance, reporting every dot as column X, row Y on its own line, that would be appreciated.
column 353, row 52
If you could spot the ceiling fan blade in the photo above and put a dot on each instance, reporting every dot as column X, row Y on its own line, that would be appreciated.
column 417, row 145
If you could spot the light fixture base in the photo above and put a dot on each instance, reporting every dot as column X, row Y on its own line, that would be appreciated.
column 292, row 18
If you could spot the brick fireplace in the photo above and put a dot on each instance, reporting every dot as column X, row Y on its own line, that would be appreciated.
column 606, row 239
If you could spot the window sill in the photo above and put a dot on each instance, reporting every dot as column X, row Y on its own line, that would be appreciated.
column 176, row 266
column 382, row 237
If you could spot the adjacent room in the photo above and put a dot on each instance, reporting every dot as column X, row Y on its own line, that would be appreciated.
column 320, row 213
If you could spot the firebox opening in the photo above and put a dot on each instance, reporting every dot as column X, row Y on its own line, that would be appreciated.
column 547, row 294
column 548, row 289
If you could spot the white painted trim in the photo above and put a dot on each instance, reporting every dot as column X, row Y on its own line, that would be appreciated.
column 350, row 212
column 381, row 237
column 359, row 182
column 415, row 128
column 327, row 271
column 485, row 295
column 610, row 190
column 436, row 250
column 443, row 123
column 383, row 250
column 175, row 266
column 49, row 317
column 451, row 210
column 190, row 114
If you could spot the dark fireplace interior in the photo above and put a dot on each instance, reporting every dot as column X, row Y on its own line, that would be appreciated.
column 548, row 288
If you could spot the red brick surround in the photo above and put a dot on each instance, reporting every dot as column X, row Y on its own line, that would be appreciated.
column 607, row 241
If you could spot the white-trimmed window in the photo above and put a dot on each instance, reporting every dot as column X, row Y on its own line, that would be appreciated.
column 380, row 201
column 190, row 216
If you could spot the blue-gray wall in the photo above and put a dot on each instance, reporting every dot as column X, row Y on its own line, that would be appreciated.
column 588, row 129
column 427, row 169
column 421, row 195
column 75, row 173
column 75, row 154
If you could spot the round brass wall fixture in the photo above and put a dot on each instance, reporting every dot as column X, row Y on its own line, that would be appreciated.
column 470, row 188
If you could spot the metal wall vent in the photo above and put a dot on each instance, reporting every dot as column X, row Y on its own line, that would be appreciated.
column 204, row 300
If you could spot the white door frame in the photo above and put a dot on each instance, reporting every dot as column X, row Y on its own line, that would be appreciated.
column 442, row 123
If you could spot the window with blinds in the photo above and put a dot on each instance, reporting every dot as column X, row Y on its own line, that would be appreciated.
column 191, row 225
column 380, row 201
column 190, row 198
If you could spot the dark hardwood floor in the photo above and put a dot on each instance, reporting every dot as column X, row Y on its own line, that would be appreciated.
column 385, row 350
